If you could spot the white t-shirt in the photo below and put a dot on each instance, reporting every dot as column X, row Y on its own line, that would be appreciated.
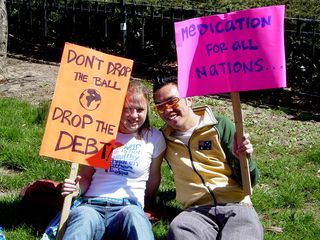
column 184, row 136
column 129, row 167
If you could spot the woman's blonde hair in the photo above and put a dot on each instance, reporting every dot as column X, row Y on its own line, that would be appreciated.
column 136, row 87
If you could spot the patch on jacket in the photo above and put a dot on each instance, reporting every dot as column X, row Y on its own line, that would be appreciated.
column 204, row 145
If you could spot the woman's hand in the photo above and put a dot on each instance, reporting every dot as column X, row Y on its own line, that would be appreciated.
column 71, row 187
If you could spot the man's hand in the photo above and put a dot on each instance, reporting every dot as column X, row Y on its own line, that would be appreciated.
column 244, row 146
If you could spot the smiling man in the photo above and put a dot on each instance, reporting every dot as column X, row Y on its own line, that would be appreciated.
column 204, row 156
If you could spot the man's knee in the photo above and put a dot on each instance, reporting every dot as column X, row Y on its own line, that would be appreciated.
column 176, row 223
column 192, row 225
column 179, row 225
column 180, row 229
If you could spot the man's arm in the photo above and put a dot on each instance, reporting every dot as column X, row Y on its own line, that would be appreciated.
column 227, row 130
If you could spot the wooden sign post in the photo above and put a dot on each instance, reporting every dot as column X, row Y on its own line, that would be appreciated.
column 67, row 203
column 244, row 166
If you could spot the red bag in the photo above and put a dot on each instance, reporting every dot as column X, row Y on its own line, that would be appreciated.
column 41, row 200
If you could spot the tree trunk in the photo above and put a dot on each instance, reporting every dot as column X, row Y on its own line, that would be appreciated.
column 3, row 40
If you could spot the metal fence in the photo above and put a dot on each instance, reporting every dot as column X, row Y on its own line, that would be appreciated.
column 144, row 33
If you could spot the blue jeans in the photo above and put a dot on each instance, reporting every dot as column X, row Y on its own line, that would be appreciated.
column 96, row 220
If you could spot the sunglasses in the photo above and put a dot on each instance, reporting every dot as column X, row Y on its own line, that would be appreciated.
column 171, row 103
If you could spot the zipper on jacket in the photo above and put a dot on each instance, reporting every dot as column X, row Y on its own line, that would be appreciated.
column 194, row 169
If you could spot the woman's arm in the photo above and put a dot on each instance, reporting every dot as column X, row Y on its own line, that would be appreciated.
column 154, row 176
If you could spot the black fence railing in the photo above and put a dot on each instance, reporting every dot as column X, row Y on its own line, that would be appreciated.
column 144, row 33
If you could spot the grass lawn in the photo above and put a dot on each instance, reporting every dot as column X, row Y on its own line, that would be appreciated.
column 287, row 150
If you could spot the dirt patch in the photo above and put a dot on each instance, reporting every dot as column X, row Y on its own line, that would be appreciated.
column 8, row 172
column 26, row 80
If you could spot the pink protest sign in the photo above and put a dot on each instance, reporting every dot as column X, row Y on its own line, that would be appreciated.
column 237, row 51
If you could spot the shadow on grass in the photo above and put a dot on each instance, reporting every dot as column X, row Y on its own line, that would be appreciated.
column 14, row 215
column 36, row 205
column 167, row 209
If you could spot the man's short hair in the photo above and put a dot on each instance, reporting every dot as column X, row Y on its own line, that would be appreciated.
column 162, row 81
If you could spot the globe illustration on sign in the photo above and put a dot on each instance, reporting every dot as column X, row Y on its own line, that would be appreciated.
column 90, row 99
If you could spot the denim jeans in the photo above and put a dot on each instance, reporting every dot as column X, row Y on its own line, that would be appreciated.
column 98, row 220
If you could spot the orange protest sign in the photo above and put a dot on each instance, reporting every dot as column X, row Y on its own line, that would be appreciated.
column 86, row 107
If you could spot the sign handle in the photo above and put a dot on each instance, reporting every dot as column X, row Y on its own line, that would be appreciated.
column 67, row 203
column 244, row 166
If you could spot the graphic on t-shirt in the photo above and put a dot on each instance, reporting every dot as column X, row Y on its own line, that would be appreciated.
column 125, row 159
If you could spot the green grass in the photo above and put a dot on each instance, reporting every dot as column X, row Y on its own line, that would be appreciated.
column 287, row 150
